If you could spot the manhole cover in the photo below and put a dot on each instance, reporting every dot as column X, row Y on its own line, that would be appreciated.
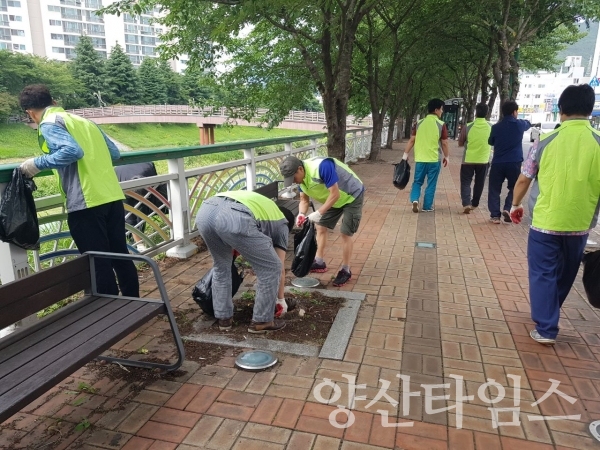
column 306, row 282
column 256, row 360
column 594, row 429
column 425, row 244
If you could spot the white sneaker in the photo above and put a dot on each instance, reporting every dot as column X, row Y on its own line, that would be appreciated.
column 537, row 337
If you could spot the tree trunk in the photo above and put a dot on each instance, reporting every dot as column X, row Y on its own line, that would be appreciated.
column 376, row 136
column 408, row 125
column 492, row 101
column 394, row 122
column 335, row 114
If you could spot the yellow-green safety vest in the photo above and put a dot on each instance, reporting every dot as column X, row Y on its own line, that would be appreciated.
column 428, row 147
column 565, row 196
column 92, row 180
column 477, row 149
column 349, row 184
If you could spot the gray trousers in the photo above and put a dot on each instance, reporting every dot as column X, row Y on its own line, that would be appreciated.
column 226, row 225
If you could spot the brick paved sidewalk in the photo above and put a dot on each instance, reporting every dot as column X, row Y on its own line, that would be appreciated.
column 434, row 315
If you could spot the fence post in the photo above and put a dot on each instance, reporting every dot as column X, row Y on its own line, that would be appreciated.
column 314, row 144
column 250, row 169
column 180, row 210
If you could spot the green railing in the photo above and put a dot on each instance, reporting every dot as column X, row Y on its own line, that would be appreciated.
column 170, row 226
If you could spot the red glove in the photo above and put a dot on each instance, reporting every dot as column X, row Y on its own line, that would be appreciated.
column 235, row 253
column 278, row 310
column 516, row 214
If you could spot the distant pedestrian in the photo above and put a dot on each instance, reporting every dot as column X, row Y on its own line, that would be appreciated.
column 430, row 141
column 474, row 137
column 507, row 139
column 564, row 166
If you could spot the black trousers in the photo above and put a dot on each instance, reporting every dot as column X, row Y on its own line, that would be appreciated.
column 467, row 171
column 102, row 229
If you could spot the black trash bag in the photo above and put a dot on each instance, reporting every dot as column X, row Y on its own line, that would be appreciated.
column 202, row 292
column 305, row 249
column 401, row 174
column 591, row 277
column 18, row 217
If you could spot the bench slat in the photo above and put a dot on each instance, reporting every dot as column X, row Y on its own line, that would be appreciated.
column 52, row 369
column 66, row 342
column 22, row 298
column 53, row 328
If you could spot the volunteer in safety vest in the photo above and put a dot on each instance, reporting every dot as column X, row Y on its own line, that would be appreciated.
column 430, row 141
column 474, row 137
column 336, row 186
column 256, row 227
column 564, row 201
column 81, row 156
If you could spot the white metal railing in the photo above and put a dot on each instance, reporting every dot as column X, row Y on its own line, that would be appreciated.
column 167, row 224
column 186, row 110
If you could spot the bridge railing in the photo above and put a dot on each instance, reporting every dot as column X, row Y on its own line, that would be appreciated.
column 186, row 110
column 167, row 223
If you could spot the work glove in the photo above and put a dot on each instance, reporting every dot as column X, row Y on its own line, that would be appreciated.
column 29, row 169
column 300, row 219
column 446, row 161
column 405, row 157
column 516, row 213
column 315, row 216
column 281, row 307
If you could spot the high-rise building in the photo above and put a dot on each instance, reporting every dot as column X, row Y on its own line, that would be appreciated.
column 52, row 28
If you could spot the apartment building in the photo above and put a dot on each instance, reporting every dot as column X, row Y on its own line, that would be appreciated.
column 52, row 28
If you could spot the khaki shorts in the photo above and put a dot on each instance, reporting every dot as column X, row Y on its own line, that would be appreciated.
column 352, row 213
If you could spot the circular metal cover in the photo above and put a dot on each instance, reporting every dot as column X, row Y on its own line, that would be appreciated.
column 306, row 282
column 594, row 429
column 256, row 360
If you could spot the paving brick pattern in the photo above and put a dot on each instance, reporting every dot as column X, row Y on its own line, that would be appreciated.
column 456, row 316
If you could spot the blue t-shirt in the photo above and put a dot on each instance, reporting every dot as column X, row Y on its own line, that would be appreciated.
column 327, row 173
column 507, row 139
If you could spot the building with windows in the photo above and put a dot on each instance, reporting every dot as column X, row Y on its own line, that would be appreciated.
column 539, row 92
column 52, row 28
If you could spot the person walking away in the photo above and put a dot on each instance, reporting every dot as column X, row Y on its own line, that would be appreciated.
column 564, row 166
column 336, row 186
column 430, row 141
column 507, row 139
column 258, row 229
column 81, row 156
column 474, row 138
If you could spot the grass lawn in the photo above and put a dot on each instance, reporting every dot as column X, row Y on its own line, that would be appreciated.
column 18, row 141
column 157, row 135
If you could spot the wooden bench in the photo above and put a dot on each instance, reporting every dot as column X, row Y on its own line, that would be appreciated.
column 36, row 358
column 271, row 191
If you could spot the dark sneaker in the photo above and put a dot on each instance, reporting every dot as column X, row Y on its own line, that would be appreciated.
column 537, row 337
column 429, row 210
column 225, row 324
column 318, row 267
column 467, row 209
column 342, row 278
column 506, row 216
column 415, row 206
column 264, row 327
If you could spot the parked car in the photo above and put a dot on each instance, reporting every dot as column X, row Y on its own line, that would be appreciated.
column 541, row 128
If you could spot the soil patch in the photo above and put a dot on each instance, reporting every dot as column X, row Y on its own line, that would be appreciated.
column 308, row 327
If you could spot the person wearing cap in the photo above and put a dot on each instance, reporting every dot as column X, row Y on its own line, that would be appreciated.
column 258, row 229
column 336, row 186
